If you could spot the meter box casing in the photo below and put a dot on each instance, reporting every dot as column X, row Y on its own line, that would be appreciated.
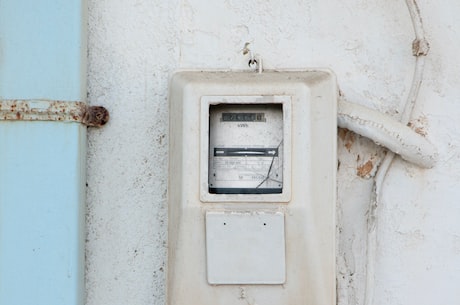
column 252, row 171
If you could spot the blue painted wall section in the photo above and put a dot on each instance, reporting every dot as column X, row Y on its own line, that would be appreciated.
column 42, row 213
column 42, row 164
column 43, row 49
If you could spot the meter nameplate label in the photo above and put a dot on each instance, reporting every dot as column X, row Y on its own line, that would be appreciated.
column 243, row 117
column 246, row 149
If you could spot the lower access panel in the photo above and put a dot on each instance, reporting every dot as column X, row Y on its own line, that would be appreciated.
column 245, row 248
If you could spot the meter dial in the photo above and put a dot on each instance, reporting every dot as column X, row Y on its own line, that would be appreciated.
column 245, row 149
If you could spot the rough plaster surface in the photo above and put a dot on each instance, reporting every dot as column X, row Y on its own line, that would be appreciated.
column 135, row 46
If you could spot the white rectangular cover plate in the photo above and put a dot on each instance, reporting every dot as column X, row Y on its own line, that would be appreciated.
column 245, row 247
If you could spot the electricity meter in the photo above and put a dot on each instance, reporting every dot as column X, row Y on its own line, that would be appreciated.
column 252, row 188
column 245, row 148
column 248, row 143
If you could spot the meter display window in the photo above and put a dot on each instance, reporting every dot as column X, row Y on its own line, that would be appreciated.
column 245, row 149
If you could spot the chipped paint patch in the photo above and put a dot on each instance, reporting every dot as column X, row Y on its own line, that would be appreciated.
column 368, row 168
column 419, row 125
column 364, row 170
column 348, row 137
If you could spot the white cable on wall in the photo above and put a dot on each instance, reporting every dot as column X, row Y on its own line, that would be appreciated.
column 420, row 48
column 387, row 132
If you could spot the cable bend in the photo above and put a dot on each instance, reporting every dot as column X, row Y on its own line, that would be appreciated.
column 387, row 132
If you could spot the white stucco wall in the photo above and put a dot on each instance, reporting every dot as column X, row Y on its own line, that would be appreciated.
column 136, row 45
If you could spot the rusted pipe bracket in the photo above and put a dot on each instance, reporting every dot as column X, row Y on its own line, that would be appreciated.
column 51, row 110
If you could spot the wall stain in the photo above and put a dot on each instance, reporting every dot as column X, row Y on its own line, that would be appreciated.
column 419, row 125
column 348, row 137
column 365, row 170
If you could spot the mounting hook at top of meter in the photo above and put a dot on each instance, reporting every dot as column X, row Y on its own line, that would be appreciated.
column 255, row 61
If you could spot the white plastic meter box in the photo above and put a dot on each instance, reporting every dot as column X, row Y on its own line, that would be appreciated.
column 252, row 188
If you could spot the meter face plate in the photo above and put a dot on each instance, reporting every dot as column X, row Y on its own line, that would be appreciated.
column 245, row 149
